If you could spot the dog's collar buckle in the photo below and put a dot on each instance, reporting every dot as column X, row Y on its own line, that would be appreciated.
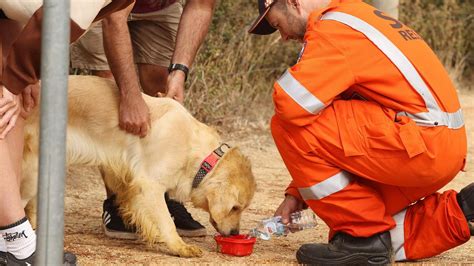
column 209, row 162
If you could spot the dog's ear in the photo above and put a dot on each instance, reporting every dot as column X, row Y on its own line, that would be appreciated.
column 220, row 203
column 214, row 203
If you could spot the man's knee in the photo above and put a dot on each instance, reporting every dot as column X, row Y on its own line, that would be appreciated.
column 153, row 78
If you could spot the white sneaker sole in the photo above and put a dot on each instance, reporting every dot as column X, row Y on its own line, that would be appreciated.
column 133, row 236
column 192, row 233
column 119, row 234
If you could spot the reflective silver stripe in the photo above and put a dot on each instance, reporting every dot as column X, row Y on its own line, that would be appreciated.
column 437, row 118
column 299, row 93
column 434, row 116
column 329, row 186
column 397, row 235
column 390, row 50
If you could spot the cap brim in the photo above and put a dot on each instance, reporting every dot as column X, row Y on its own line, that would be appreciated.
column 261, row 25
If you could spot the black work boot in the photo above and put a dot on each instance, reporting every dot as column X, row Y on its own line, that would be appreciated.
column 466, row 201
column 344, row 249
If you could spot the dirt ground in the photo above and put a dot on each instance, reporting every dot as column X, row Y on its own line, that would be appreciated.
column 85, row 193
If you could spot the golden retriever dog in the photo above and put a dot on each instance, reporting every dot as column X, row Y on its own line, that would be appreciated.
column 140, row 170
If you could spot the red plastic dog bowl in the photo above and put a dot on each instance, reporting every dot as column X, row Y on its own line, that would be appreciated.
column 238, row 245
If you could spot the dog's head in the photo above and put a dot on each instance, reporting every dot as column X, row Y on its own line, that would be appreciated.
column 226, row 192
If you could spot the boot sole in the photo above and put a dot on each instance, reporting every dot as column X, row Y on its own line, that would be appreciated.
column 355, row 259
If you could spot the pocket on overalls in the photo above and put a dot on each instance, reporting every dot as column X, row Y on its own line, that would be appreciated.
column 382, row 141
column 390, row 139
column 349, row 130
column 377, row 132
column 412, row 139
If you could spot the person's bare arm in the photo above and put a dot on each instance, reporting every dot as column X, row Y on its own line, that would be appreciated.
column 192, row 30
column 134, row 114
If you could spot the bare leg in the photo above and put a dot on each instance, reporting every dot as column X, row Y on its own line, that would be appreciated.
column 153, row 78
column 103, row 74
column 15, row 141
column 11, row 207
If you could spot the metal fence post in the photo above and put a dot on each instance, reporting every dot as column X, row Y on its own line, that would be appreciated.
column 389, row 7
column 52, row 168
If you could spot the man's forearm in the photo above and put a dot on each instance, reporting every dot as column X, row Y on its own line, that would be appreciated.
column 119, row 53
column 192, row 30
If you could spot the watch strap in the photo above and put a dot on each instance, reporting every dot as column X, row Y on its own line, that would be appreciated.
column 181, row 67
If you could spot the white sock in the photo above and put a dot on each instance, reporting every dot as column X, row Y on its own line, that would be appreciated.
column 20, row 239
column 3, row 246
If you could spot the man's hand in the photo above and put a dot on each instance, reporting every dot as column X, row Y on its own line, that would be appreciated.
column 134, row 115
column 9, row 111
column 192, row 29
column 289, row 205
column 175, row 86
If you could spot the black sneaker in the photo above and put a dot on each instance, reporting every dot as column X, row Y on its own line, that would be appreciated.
column 344, row 249
column 465, row 199
column 3, row 258
column 114, row 226
column 185, row 224
column 112, row 222
column 69, row 259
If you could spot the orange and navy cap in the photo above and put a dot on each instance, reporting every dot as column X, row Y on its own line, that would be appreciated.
column 261, row 25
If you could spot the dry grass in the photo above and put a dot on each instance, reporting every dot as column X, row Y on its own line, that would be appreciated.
column 231, row 81
column 234, row 72
column 448, row 28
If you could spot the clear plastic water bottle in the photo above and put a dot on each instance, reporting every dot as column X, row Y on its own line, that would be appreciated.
column 274, row 227
column 302, row 220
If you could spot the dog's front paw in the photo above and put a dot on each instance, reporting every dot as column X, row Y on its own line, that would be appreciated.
column 187, row 251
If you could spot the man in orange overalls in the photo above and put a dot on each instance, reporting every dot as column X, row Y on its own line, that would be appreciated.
column 370, row 127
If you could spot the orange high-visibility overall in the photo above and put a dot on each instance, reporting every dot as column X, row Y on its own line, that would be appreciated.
column 370, row 127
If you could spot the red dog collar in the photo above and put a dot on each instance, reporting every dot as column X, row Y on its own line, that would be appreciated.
column 209, row 163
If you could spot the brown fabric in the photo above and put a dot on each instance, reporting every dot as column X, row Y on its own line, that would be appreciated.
column 23, row 63
column 153, row 40
column 9, row 31
column 115, row 6
column 147, row 6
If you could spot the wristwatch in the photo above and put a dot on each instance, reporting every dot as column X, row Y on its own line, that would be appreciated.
column 181, row 67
